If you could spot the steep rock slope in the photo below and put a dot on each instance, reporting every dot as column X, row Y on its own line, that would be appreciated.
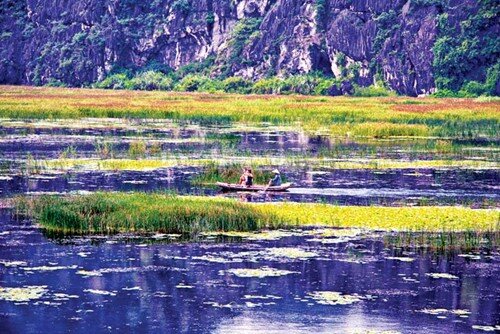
column 79, row 41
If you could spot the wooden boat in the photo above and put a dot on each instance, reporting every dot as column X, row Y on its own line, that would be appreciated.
column 239, row 187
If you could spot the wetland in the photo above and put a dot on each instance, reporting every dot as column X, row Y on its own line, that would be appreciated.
column 110, row 220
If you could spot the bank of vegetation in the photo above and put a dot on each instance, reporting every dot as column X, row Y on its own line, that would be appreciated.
column 109, row 213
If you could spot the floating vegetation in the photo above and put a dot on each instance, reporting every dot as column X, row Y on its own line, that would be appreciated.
column 291, row 252
column 89, row 273
column 100, row 272
column 266, row 297
column 13, row 263
column 101, row 292
column 441, row 275
column 441, row 311
column 256, row 236
column 486, row 328
column 258, row 272
column 63, row 297
column 49, row 268
column 24, row 294
column 334, row 298
column 402, row 259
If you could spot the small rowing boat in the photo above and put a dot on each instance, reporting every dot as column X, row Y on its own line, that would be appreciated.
column 239, row 187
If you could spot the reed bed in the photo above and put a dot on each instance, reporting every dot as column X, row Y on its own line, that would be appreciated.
column 107, row 213
column 345, row 116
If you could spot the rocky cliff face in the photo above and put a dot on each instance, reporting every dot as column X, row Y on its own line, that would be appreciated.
column 78, row 41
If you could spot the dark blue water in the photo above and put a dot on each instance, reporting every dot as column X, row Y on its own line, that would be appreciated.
column 114, row 285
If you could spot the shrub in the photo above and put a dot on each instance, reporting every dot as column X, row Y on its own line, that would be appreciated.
column 236, row 85
column 372, row 91
column 473, row 89
column 198, row 83
column 115, row 81
column 152, row 80
column 267, row 86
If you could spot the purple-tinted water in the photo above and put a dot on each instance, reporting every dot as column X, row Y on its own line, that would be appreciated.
column 109, row 285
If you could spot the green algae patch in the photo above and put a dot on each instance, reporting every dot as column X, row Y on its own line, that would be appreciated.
column 23, row 294
column 108, row 213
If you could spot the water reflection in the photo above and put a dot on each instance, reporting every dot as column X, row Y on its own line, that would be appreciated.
column 193, row 288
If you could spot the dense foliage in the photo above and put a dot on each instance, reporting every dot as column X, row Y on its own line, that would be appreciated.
column 76, row 51
column 467, row 52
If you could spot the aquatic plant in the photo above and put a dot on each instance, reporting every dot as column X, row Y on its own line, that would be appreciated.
column 334, row 298
column 137, row 149
column 228, row 169
column 443, row 241
column 22, row 294
column 140, row 212
column 258, row 272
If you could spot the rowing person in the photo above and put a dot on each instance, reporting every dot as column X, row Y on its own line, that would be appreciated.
column 276, row 180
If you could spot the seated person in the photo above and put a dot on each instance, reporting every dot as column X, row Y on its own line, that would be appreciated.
column 276, row 180
column 246, row 179
column 249, row 177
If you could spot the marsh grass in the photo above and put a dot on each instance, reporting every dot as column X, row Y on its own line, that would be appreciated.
column 444, row 241
column 108, row 213
column 343, row 116
column 137, row 149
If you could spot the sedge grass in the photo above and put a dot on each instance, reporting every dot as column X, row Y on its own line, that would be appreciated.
column 108, row 213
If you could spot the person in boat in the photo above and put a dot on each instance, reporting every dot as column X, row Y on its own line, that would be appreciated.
column 246, row 179
column 276, row 180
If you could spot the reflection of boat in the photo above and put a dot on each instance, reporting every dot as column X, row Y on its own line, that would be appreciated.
column 239, row 187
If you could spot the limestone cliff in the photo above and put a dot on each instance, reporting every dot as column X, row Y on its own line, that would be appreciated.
column 79, row 41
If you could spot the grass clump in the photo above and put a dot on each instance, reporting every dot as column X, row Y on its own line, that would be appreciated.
column 107, row 213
